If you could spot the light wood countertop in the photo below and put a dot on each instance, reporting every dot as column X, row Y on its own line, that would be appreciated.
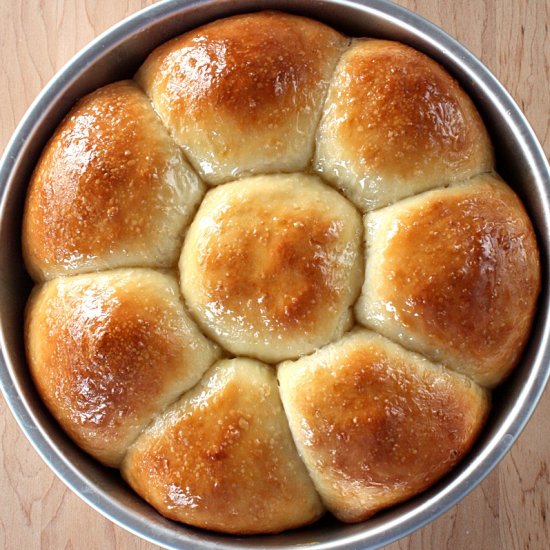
column 510, row 509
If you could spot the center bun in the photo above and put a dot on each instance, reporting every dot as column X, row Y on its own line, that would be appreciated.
column 272, row 264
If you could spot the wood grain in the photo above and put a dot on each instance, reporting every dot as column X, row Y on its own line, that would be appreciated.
column 509, row 509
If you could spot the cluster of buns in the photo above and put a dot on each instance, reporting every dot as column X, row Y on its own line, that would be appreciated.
column 277, row 275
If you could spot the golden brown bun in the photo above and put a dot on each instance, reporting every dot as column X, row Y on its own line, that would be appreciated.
column 299, row 131
column 376, row 424
column 109, row 351
column 111, row 189
column 223, row 458
column 396, row 123
column 454, row 274
column 272, row 264
column 243, row 95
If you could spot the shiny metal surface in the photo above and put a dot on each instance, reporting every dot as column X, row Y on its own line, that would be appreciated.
column 116, row 54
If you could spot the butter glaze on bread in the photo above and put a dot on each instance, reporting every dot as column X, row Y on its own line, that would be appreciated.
column 299, row 131
column 272, row 264
column 223, row 458
column 111, row 189
column 396, row 123
column 376, row 424
column 454, row 274
column 243, row 95
column 109, row 351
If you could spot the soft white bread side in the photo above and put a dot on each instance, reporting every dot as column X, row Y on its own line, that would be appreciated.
column 111, row 189
column 454, row 274
column 396, row 123
column 222, row 458
column 271, row 265
column 376, row 424
column 109, row 351
column 243, row 95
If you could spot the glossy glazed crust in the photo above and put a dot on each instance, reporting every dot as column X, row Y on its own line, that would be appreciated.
column 223, row 458
column 111, row 189
column 377, row 424
column 396, row 123
column 243, row 95
column 454, row 274
column 272, row 265
column 271, row 268
column 109, row 351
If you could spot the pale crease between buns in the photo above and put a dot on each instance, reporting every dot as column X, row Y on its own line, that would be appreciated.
column 111, row 189
column 396, row 123
column 223, row 458
column 243, row 95
column 109, row 351
column 272, row 265
column 376, row 424
column 454, row 274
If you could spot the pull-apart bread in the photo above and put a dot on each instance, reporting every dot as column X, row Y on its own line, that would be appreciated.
column 276, row 275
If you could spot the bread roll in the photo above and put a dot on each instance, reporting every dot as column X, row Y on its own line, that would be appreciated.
column 394, row 124
column 376, row 424
column 111, row 189
column 109, row 351
column 272, row 264
column 223, row 458
column 243, row 95
column 454, row 274
column 299, row 131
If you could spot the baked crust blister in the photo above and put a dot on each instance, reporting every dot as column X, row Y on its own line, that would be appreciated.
column 212, row 242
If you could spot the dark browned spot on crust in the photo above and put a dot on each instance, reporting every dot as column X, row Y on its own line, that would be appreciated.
column 464, row 271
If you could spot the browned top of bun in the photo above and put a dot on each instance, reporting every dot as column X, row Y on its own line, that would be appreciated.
column 272, row 264
column 243, row 94
column 288, row 263
column 413, row 107
column 107, row 351
column 289, row 300
column 223, row 457
column 253, row 66
column 396, row 123
column 466, row 275
column 376, row 423
column 105, row 183
column 401, row 427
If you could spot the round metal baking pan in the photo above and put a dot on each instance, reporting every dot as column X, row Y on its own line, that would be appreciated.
column 116, row 54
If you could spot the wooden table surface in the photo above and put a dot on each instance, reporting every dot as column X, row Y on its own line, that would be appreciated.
column 510, row 509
